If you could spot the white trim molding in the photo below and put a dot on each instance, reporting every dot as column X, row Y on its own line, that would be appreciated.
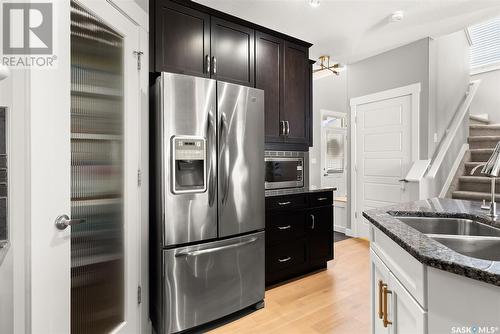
column 414, row 91
column 453, row 171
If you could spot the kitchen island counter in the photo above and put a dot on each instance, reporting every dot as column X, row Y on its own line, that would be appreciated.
column 428, row 251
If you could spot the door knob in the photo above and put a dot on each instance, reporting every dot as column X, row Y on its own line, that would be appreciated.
column 63, row 221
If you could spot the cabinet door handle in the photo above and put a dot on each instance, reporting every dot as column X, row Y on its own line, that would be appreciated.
column 313, row 221
column 386, row 292
column 287, row 128
column 207, row 57
column 284, row 227
column 322, row 198
column 214, row 65
column 284, row 203
column 282, row 128
column 286, row 259
column 381, row 285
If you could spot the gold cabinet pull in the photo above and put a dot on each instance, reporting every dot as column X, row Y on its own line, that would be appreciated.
column 381, row 285
column 386, row 292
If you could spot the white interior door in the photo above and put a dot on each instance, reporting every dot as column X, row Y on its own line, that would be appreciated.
column 383, row 155
column 84, row 160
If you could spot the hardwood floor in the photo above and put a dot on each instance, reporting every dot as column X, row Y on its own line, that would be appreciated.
column 336, row 300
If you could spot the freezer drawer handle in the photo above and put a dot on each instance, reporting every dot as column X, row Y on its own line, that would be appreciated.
column 286, row 259
column 284, row 227
column 217, row 249
column 284, row 203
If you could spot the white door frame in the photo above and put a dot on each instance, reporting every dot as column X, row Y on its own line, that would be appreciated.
column 414, row 91
column 48, row 121
column 324, row 112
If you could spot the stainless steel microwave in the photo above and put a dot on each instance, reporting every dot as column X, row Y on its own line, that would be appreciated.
column 284, row 169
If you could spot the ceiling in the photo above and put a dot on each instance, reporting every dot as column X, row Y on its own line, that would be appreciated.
column 351, row 30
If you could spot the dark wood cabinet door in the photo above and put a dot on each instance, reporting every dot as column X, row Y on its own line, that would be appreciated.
column 233, row 54
column 296, row 93
column 269, row 77
column 182, row 39
column 319, row 226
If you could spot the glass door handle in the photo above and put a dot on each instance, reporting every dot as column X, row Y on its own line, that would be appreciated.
column 63, row 221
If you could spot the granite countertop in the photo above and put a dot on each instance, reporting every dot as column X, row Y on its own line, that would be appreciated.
column 306, row 190
column 429, row 251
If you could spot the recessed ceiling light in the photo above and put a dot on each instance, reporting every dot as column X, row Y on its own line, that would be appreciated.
column 397, row 16
column 314, row 3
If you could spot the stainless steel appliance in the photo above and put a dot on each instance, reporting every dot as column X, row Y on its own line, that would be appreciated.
column 207, row 253
column 285, row 169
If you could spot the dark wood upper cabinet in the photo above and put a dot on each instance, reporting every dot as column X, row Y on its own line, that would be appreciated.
column 269, row 77
column 232, row 48
column 296, row 93
column 182, row 39
column 192, row 39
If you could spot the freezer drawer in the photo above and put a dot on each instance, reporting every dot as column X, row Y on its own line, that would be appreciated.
column 206, row 282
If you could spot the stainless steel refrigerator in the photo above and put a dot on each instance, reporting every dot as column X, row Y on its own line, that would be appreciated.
column 207, row 233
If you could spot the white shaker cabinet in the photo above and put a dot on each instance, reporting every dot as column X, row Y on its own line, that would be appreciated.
column 394, row 310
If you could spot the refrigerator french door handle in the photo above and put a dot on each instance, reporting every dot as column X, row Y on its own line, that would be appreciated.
column 224, row 160
column 212, row 173
column 217, row 249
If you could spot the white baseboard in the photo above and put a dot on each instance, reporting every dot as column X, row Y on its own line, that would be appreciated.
column 350, row 232
column 338, row 228
column 453, row 170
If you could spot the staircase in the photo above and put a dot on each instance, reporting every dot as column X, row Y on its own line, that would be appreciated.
column 483, row 138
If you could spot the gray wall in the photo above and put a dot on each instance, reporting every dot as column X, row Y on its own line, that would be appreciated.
column 439, row 65
column 487, row 99
column 402, row 66
column 449, row 80
column 144, row 4
column 328, row 93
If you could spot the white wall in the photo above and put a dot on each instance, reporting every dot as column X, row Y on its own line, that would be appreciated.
column 487, row 99
column 449, row 79
column 329, row 93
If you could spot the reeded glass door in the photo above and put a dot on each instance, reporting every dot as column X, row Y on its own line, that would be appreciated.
column 104, row 135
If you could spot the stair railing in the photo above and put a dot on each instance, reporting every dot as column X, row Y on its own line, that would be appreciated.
column 453, row 146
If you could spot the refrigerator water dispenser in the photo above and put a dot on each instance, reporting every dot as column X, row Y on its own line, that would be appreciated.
column 189, row 164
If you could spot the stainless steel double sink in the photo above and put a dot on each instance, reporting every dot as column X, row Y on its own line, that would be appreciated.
column 464, row 236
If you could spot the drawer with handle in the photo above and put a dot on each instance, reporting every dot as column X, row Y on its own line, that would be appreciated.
column 284, row 226
column 321, row 199
column 286, row 202
column 285, row 259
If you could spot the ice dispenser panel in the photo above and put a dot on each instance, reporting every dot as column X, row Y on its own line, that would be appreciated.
column 189, row 164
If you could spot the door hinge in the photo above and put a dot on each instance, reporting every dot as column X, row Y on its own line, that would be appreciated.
column 139, row 56
column 139, row 177
column 139, row 295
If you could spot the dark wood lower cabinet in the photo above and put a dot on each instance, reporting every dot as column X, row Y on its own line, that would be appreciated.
column 299, row 235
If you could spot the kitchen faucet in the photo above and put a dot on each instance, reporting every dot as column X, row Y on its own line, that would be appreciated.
column 492, row 169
